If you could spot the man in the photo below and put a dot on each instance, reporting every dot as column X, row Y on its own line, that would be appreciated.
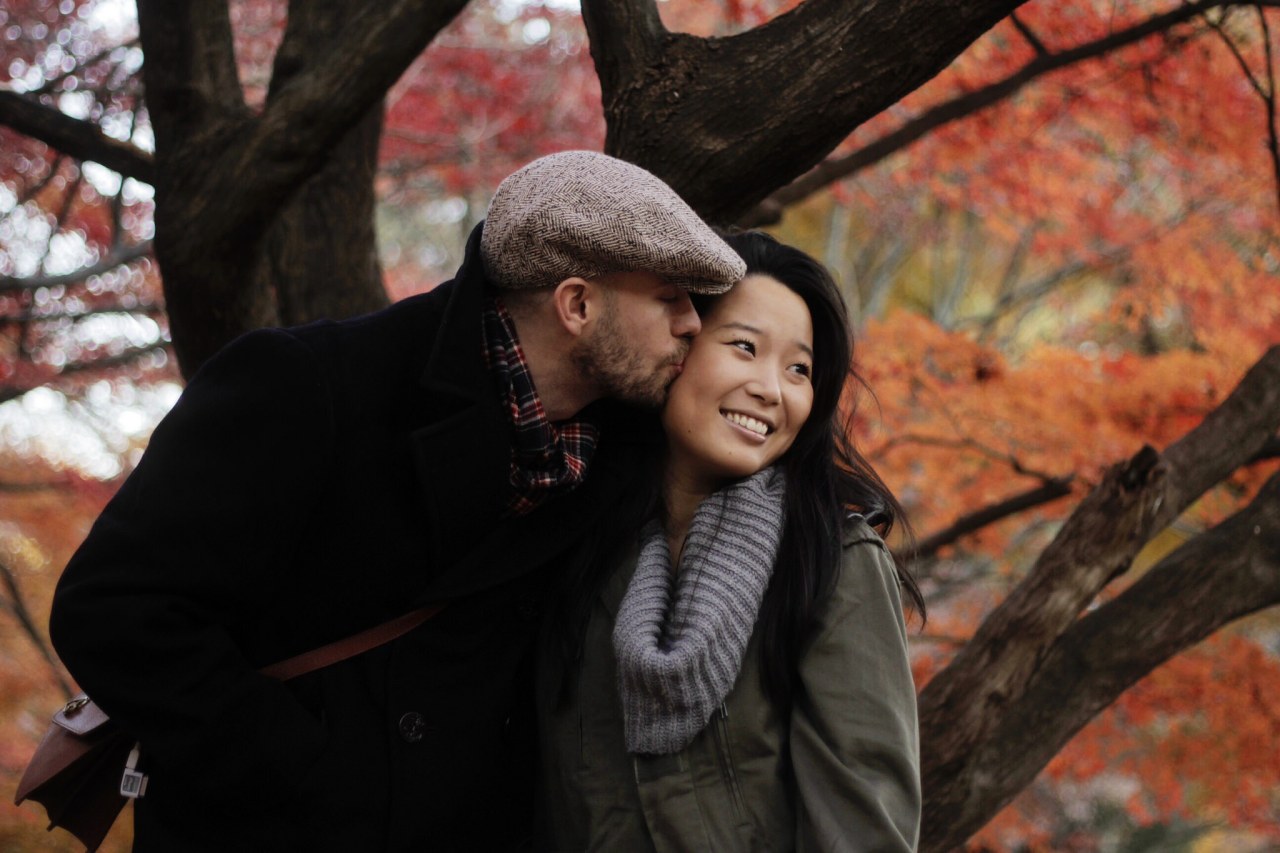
column 314, row 482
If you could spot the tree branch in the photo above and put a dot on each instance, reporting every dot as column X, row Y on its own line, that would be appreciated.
column 258, row 163
column 28, row 626
column 963, row 707
column 1050, row 491
column 118, row 257
column 1270, row 450
column 962, row 106
column 724, row 120
column 1215, row 578
column 1029, row 35
column 624, row 35
column 83, row 140
column 127, row 357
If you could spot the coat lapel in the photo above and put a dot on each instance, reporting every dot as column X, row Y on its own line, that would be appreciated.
column 462, row 450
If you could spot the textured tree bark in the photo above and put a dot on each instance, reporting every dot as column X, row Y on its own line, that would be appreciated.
column 1045, row 62
column 324, row 234
column 1219, row 576
column 268, row 219
column 994, row 688
column 727, row 121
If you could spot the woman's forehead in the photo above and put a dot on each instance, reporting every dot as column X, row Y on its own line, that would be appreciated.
column 760, row 304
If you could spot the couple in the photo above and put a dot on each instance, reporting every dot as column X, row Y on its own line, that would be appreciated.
column 738, row 680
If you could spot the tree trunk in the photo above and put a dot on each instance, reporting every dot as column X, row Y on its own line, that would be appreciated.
column 726, row 121
column 321, row 256
column 268, row 220
column 994, row 717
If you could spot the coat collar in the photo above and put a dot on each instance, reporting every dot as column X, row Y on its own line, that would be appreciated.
column 462, row 449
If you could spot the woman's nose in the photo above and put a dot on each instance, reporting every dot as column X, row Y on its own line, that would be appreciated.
column 766, row 389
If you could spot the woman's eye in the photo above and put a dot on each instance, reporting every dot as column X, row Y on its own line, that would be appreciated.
column 802, row 369
column 744, row 345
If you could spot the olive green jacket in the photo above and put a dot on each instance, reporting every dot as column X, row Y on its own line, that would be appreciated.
column 840, row 771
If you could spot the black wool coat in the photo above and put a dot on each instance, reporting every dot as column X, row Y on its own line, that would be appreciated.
column 308, row 484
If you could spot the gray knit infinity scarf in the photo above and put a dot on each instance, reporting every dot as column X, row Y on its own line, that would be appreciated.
column 677, row 661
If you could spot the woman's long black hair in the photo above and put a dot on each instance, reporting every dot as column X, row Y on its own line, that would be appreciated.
column 827, row 478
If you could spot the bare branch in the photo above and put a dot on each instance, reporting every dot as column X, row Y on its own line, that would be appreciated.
column 259, row 162
column 33, row 190
column 28, row 625
column 122, row 359
column 965, row 105
column 83, row 140
column 118, row 257
column 1273, row 132
column 963, row 707
column 1029, row 35
column 724, row 120
column 148, row 309
column 971, row 522
column 52, row 83
column 1215, row 578
column 964, row 442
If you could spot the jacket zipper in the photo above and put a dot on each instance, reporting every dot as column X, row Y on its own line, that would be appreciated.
column 726, row 761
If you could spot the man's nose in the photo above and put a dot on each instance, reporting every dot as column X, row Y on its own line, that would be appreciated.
column 685, row 322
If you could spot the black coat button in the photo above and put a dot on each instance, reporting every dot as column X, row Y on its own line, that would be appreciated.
column 412, row 727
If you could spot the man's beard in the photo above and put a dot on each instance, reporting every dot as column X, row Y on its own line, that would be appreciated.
column 619, row 371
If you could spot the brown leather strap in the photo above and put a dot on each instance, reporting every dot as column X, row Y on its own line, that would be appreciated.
column 349, row 647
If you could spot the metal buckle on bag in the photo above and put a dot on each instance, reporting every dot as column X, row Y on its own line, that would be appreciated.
column 133, row 784
column 75, row 704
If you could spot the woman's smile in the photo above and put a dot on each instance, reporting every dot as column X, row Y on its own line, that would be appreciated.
column 756, row 427
column 746, row 389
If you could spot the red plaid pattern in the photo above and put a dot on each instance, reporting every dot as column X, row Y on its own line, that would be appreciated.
column 546, row 459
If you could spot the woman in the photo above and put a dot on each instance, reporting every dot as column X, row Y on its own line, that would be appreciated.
column 738, row 679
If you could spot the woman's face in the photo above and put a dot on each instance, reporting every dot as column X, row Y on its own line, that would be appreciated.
column 746, row 388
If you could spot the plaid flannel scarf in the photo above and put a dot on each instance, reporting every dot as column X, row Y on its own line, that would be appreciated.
column 546, row 459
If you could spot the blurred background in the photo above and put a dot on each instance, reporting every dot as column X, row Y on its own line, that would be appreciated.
column 1047, row 269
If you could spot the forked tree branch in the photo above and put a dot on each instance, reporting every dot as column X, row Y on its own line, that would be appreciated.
column 1215, row 578
column 964, row 707
column 258, row 162
column 725, row 120
column 962, row 106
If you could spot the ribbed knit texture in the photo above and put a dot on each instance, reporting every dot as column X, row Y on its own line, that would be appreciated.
column 680, row 635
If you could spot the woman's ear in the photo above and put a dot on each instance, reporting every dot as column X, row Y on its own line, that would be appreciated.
column 574, row 302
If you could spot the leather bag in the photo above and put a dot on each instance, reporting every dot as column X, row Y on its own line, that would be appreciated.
column 85, row 768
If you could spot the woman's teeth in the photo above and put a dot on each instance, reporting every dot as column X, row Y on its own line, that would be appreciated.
column 746, row 422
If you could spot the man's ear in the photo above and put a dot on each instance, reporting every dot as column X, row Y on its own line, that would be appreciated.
column 576, row 303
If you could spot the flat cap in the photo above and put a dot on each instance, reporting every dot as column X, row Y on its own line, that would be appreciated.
column 582, row 213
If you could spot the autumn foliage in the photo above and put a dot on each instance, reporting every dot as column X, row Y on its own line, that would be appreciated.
column 1042, row 284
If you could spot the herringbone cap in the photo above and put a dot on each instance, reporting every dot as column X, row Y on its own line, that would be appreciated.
column 582, row 213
